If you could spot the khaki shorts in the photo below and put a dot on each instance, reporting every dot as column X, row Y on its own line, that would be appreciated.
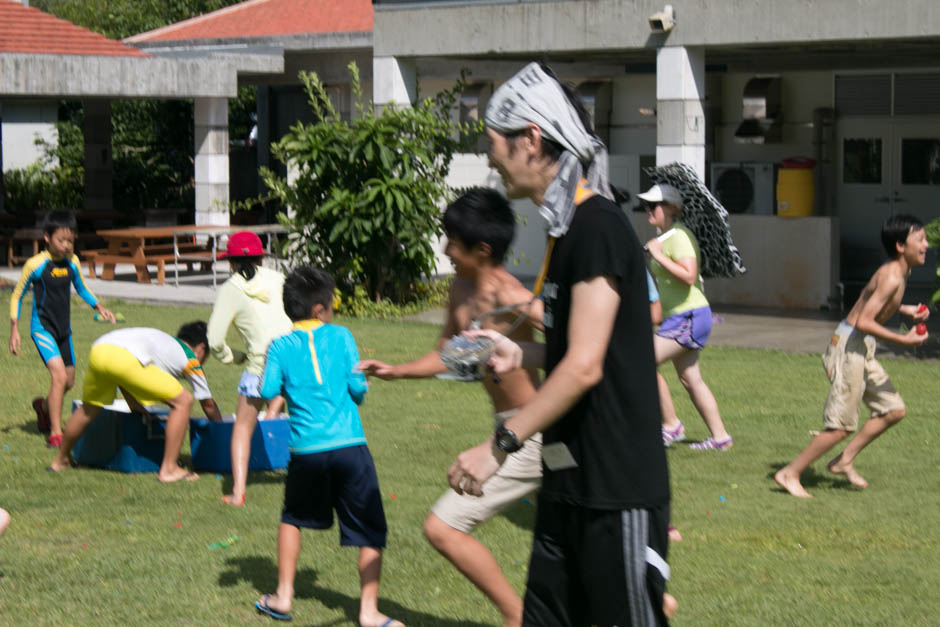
column 519, row 476
column 855, row 376
column 110, row 367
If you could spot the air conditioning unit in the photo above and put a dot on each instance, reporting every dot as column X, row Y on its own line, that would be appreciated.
column 745, row 186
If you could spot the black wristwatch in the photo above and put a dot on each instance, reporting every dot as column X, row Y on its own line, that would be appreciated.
column 506, row 440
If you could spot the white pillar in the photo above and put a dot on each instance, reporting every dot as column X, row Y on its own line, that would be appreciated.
column 211, row 138
column 680, row 115
column 394, row 80
column 98, row 164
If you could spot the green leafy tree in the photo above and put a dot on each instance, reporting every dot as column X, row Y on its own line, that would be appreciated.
column 366, row 200
column 54, row 181
column 932, row 230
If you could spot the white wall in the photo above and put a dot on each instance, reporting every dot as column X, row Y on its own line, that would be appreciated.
column 22, row 124
column 632, row 133
column 792, row 263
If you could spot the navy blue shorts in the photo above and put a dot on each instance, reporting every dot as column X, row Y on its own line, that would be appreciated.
column 343, row 480
column 597, row 567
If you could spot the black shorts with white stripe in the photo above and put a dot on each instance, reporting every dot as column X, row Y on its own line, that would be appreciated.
column 597, row 567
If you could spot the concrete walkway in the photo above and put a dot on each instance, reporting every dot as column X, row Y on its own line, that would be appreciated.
column 797, row 332
column 195, row 288
column 784, row 330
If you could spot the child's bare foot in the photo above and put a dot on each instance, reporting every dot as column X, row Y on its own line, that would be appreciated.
column 791, row 483
column 180, row 474
column 61, row 463
column 271, row 605
column 229, row 499
column 379, row 620
column 674, row 535
column 670, row 605
column 836, row 467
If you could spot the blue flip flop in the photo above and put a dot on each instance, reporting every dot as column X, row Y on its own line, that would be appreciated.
column 262, row 607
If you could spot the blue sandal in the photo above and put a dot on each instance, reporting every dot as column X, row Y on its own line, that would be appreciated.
column 262, row 607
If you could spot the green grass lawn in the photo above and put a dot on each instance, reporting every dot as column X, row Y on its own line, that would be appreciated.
column 91, row 547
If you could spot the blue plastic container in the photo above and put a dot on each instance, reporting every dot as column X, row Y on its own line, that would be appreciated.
column 210, row 443
column 122, row 440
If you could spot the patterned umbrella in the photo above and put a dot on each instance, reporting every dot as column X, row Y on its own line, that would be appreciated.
column 705, row 217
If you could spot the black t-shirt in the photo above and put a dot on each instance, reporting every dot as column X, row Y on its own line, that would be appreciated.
column 614, row 431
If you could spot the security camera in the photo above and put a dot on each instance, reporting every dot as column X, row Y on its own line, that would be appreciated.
column 663, row 21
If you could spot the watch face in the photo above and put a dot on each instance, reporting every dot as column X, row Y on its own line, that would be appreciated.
column 506, row 440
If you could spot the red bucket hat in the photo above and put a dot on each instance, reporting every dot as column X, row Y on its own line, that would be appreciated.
column 243, row 244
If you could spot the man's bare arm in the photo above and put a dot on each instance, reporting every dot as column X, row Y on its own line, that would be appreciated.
column 594, row 305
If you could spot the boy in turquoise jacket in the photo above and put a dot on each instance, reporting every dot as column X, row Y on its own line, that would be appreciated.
column 330, row 466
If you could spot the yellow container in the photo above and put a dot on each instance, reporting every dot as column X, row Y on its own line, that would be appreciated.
column 795, row 192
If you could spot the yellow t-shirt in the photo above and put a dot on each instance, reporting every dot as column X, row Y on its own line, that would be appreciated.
column 675, row 296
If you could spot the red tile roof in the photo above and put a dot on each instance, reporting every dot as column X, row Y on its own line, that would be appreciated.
column 28, row 30
column 266, row 18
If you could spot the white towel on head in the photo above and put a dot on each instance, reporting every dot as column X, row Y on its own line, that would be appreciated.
column 532, row 96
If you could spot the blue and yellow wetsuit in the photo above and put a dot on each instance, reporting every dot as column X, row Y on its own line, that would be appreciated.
column 50, row 326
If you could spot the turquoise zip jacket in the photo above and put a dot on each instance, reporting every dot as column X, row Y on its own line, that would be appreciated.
column 312, row 367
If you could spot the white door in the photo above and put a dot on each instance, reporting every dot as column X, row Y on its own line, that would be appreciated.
column 886, row 166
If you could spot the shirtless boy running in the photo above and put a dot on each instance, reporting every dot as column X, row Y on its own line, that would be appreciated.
column 480, row 226
column 854, row 373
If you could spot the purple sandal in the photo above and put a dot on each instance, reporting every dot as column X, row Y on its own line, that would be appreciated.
column 711, row 444
column 671, row 436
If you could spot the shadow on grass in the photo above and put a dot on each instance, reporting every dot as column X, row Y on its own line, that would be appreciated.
column 261, row 573
column 26, row 427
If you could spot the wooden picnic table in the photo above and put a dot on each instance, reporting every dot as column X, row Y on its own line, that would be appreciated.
column 157, row 245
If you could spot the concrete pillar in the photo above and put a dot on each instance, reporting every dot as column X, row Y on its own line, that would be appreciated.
column 211, row 138
column 394, row 80
column 98, row 163
column 680, row 115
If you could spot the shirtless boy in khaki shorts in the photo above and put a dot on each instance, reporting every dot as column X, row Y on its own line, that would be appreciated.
column 480, row 226
column 854, row 373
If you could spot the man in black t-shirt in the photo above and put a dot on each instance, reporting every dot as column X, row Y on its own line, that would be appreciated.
column 600, row 544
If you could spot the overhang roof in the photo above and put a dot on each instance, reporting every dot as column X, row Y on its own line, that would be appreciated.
column 267, row 18
column 26, row 30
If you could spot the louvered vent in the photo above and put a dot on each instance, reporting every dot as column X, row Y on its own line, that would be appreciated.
column 868, row 94
column 917, row 94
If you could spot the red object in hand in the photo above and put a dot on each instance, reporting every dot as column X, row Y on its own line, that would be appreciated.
column 921, row 329
column 922, row 308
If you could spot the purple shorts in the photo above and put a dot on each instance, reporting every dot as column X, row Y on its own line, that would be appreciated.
column 690, row 328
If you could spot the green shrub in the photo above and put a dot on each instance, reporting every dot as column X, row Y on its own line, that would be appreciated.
column 426, row 295
column 933, row 239
column 55, row 181
column 366, row 201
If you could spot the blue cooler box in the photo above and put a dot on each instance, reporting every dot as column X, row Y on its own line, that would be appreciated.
column 122, row 440
column 211, row 445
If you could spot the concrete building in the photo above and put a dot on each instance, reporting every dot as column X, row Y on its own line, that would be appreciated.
column 734, row 89
column 738, row 92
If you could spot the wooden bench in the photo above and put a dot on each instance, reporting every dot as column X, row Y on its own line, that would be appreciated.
column 153, row 256
column 34, row 236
